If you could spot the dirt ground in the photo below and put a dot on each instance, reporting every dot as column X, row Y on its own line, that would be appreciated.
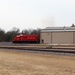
column 26, row 63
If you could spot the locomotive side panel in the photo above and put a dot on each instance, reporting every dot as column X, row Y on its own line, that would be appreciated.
column 26, row 39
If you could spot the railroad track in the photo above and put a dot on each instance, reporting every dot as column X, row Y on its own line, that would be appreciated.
column 58, row 50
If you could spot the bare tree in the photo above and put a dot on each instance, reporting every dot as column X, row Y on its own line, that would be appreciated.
column 25, row 31
column 72, row 25
column 2, row 35
column 11, row 34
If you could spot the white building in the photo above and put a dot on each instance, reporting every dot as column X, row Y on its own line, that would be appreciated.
column 58, row 35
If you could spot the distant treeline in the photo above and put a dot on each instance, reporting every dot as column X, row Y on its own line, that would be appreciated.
column 9, row 35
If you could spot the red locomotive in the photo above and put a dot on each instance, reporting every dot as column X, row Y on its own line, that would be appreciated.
column 26, row 39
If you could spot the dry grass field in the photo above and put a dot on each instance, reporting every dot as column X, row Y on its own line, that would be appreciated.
column 26, row 63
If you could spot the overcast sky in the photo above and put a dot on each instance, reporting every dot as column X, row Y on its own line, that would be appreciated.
column 36, row 13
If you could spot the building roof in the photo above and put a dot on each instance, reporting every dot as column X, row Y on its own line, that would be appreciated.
column 58, row 29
